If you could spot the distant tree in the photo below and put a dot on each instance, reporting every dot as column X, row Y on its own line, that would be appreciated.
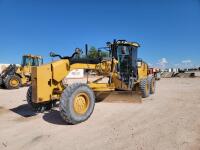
column 94, row 53
column 104, row 53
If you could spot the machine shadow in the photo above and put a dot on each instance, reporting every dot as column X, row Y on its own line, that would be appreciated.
column 53, row 116
column 24, row 111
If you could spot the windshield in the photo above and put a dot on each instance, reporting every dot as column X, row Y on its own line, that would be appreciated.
column 26, row 61
column 123, row 50
column 127, row 61
column 29, row 61
column 37, row 62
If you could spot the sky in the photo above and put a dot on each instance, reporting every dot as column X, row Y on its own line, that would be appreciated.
column 167, row 30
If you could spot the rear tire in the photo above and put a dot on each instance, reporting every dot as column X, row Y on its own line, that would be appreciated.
column 144, row 88
column 12, row 82
column 77, row 103
column 152, row 84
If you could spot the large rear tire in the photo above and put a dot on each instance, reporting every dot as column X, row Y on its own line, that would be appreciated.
column 77, row 103
column 152, row 84
column 12, row 82
column 144, row 88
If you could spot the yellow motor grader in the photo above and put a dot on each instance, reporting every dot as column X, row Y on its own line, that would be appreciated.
column 15, row 76
column 125, row 73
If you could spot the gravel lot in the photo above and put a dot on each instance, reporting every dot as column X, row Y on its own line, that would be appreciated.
column 168, row 120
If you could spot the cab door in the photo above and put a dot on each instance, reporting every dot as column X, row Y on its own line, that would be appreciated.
column 127, row 65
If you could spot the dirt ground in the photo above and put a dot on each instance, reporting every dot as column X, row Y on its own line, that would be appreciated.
column 168, row 120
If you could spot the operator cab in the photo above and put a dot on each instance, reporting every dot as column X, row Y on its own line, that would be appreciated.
column 126, row 54
column 30, row 60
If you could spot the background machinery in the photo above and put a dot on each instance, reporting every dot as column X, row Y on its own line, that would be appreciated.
column 125, row 73
column 15, row 76
column 156, row 72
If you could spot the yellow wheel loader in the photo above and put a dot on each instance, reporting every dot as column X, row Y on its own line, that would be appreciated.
column 126, row 74
column 15, row 76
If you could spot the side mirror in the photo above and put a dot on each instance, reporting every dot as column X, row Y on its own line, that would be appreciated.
column 52, row 54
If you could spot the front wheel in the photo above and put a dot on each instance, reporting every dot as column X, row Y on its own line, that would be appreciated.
column 12, row 82
column 77, row 103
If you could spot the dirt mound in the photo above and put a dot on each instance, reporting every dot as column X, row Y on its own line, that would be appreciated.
column 167, row 74
column 185, row 75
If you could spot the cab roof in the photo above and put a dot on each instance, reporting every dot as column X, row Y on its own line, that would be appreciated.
column 32, row 56
column 124, row 42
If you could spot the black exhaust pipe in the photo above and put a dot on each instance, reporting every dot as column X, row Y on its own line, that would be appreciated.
column 86, row 49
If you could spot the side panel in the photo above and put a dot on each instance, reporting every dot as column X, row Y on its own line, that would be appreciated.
column 142, row 71
column 41, row 83
column 60, row 69
column 44, row 77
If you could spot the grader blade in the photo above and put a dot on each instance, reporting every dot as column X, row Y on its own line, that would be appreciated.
column 119, row 97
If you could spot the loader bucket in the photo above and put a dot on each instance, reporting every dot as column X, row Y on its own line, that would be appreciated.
column 119, row 97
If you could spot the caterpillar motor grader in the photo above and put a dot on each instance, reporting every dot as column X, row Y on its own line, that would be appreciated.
column 125, row 73
column 15, row 76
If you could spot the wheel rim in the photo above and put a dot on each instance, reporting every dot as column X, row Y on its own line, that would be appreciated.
column 81, row 103
column 14, row 82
